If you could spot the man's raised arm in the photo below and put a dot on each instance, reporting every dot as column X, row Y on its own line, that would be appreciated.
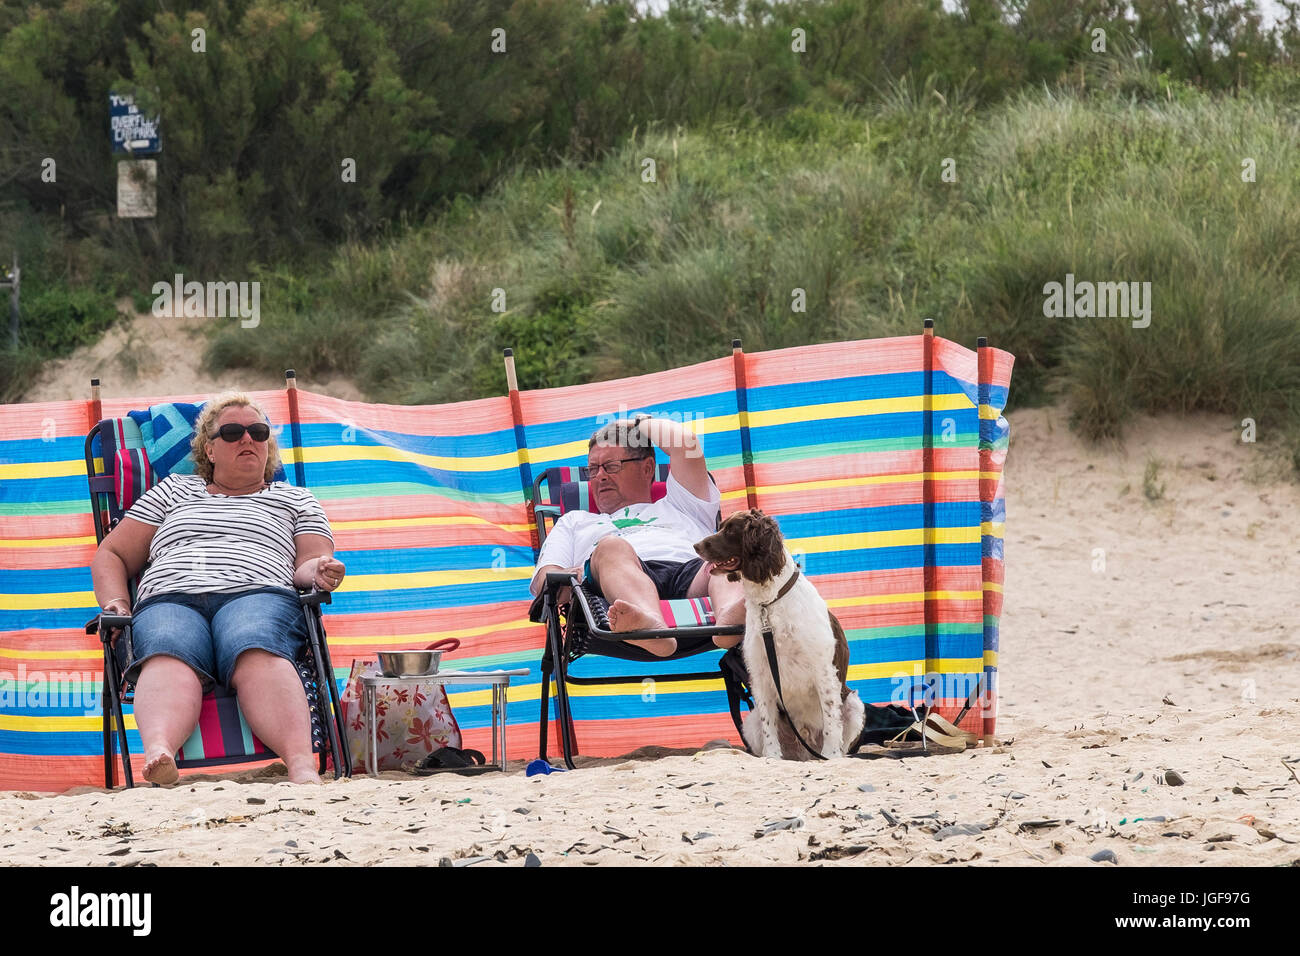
column 682, row 446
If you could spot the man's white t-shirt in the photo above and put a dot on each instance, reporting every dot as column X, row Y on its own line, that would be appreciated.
column 663, row 530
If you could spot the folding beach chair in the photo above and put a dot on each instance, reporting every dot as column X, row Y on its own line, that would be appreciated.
column 119, row 471
column 581, row 627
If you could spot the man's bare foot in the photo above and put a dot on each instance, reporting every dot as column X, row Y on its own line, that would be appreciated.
column 628, row 617
column 658, row 646
column 624, row 617
column 160, row 767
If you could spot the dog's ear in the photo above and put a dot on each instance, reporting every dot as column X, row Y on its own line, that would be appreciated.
column 762, row 553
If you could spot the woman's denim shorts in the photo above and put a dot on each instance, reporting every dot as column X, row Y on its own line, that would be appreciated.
column 209, row 631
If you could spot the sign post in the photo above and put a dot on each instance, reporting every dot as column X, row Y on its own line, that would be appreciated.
column 10, row 280
column 134, row 134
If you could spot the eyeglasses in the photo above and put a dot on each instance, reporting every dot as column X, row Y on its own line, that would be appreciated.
column 258, row 431
column 611, row 467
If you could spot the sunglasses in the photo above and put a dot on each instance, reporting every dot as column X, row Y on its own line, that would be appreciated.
column 258, row 431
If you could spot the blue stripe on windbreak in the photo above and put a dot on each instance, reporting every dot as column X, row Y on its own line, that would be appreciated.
column 26, row 451
column 890, row 559
column 826, row 391
column 456, row 557
column 542, row 434
column 69, row 743
column 896, row 425
column 951, row 514
column 45, row 581
column 500, row 441
column 358, row 472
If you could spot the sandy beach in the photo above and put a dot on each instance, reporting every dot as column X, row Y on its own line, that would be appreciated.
column 1147, row 630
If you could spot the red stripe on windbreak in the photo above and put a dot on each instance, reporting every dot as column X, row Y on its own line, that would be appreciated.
column 210, row 727
column 669, row 618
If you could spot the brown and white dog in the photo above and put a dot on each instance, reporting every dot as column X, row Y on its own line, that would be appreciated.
column 812, row 653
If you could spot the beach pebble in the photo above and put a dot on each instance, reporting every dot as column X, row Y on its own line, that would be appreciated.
column 772, row 826
column 1104, row 856
column 532, row 859
column 866, row 788
column 1174, row 778
column 959, row 829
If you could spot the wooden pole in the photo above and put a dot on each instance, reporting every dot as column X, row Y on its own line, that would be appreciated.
column 742, row 406
column 295, row 427
column 930, row 573
column 988, row 494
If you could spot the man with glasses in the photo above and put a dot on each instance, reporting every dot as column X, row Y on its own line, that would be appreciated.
column 636, row 552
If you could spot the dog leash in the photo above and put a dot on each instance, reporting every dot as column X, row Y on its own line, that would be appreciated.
column 769, row 643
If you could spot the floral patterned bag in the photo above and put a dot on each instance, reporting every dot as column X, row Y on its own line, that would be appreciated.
column 412, row 720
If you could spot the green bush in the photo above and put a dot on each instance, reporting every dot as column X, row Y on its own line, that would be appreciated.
column 55, row 320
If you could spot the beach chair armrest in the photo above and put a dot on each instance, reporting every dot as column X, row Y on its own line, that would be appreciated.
column 314, row 598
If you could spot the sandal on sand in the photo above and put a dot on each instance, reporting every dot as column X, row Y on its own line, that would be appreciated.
column 937, row 732
column 454, row 759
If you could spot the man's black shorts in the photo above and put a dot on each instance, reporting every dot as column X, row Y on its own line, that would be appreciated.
column 673, row 580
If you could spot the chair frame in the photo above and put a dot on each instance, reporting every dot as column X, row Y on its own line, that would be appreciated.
column 560, row 633
column 116, row 691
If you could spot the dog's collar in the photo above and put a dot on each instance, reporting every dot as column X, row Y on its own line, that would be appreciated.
column 785, row 589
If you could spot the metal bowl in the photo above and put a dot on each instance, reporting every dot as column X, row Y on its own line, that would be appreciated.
column 409, row 663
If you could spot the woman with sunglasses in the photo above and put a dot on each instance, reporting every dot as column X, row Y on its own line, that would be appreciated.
column 224, row 548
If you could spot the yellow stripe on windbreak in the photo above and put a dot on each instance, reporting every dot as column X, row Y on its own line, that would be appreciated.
column 324, row 453
column 989, row 413
column 997, row 529
column 902, row 537
column 822, row 484
column 578, row 448
column 430, row 579
column 855, row 409
column 888, row 670
column 46, row 542
column 904, row 598
column 990, row 658
column 47, row 602
column 992, row 586
column 386, row 640
column 52, row 655
column 421, row 523
column 44, row 469
column 93, row 723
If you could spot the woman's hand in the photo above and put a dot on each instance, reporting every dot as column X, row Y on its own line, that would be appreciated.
column 329, row 573
column 116, row 606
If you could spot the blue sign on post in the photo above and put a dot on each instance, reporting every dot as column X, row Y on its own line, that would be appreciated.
column 132, row 131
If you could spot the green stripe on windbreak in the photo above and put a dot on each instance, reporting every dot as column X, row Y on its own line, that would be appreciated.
column 725, row 461
column 385, row 489
column 991, row 620
column 884, row 633
column 32, row 509
column 245, row 731
column 912, row 443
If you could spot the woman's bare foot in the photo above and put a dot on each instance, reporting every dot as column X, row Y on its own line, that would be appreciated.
column 160, row 767
column 302, row 770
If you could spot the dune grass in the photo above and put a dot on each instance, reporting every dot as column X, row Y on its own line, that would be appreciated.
column 592, row 272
